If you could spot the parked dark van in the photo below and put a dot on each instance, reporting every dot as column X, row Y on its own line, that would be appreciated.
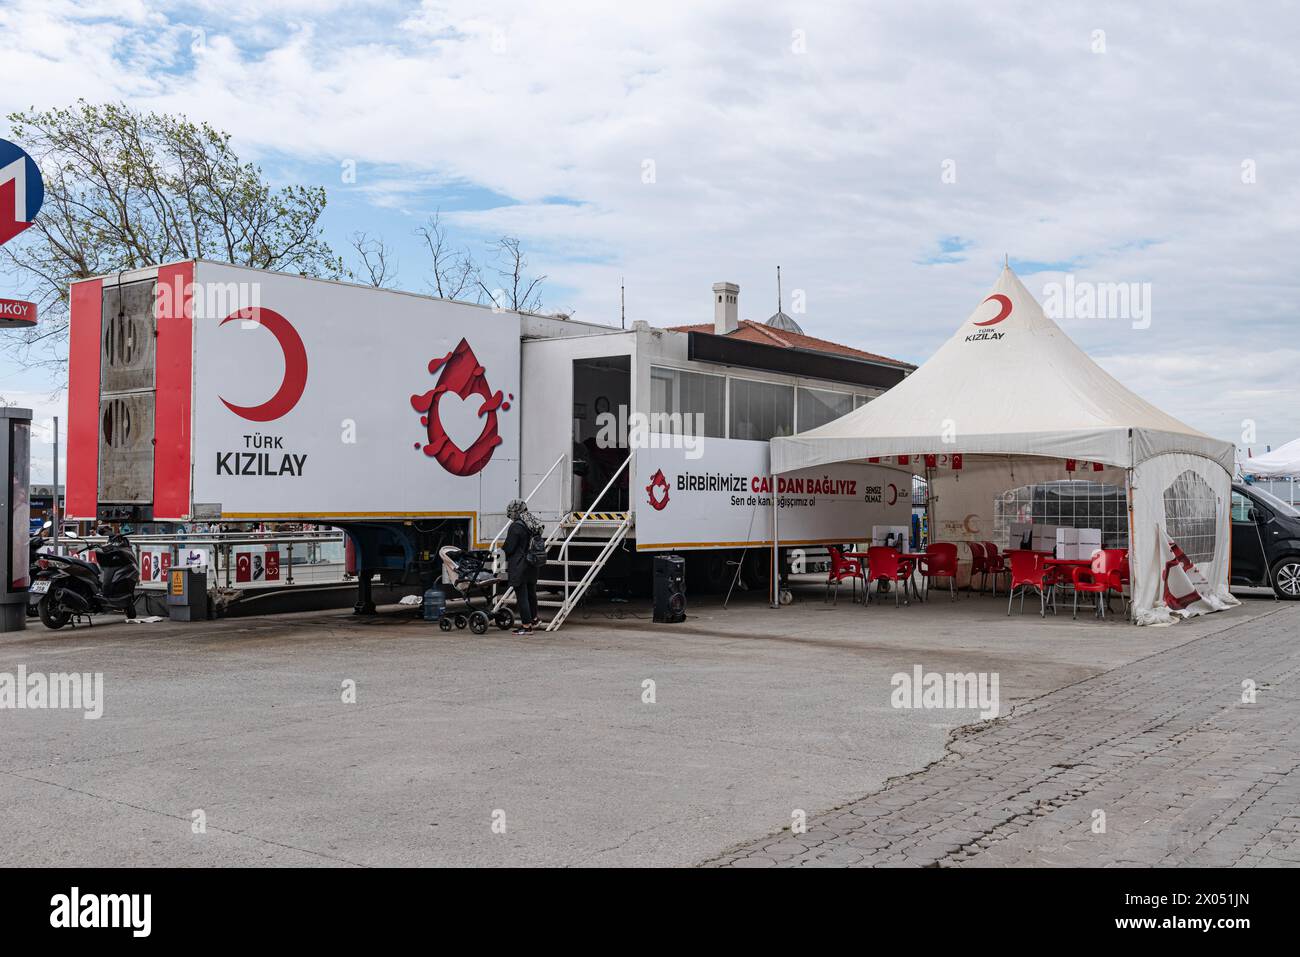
column 1265, row 541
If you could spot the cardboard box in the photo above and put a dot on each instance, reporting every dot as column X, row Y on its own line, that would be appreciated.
column 1089, row 536
column 1020, row 535
column 1067, row 536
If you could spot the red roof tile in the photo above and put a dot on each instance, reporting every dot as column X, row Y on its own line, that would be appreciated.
column 758, row 332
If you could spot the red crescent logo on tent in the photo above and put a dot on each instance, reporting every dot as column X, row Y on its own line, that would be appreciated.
column 893, row 494
column 295, row 366
column 1004, row 302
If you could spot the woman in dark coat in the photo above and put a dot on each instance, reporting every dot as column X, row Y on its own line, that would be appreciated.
column 521, row 573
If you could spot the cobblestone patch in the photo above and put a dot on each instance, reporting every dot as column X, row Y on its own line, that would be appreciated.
column 1158, row 762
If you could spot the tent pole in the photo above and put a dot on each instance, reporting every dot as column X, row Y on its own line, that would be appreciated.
column 1132, row 564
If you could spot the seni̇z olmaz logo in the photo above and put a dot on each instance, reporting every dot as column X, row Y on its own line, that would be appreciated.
column 1003, row 304
column 21, row 190
column 459, row 374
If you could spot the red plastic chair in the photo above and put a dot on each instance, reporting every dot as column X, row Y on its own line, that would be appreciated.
column 1116, row 571
column 941, row 562
column 1027, row 571
column 978, row 563
column 1092, row 581
column 885, row 564
column 841, row 568
column 996, row 565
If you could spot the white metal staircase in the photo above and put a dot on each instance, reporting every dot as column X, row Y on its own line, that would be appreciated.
column 577, row 548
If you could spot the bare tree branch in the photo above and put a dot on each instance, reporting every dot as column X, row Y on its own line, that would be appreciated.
column 517, row 292
column 453, row 270
column 374, row 256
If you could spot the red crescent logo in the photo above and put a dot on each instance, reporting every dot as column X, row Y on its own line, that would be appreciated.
column 295, row 366
column 1004, row 302
column 893, row 493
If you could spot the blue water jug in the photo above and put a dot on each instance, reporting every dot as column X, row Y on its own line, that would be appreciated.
column 435, row 603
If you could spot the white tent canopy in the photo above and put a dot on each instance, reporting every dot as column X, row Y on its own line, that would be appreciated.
column 1011, row 400
column 1280, row 463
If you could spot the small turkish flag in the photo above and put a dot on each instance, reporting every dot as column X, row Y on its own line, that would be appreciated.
column 956, row 462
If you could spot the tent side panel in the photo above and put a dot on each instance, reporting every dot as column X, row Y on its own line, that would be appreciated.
column 1183, row 499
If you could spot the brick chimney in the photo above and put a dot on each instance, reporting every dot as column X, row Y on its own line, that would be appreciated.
column 726, row 297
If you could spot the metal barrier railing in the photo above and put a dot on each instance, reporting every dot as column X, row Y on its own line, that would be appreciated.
column 220, row 550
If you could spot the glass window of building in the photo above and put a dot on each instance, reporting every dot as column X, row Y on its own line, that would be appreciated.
column 761, row 410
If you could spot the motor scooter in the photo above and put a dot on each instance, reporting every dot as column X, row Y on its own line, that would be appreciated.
column 73, row 588
column 36, row 568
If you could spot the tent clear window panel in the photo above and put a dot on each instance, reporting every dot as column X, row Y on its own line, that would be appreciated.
column 673, row 391
column 819, row 406
column 761, row 410
column 1069, row 504
column 1190, row 509
column 860, row 400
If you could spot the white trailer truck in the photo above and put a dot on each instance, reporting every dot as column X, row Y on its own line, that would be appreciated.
column 202, row 391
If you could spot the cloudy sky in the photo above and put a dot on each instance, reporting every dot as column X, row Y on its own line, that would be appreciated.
column 886, row 155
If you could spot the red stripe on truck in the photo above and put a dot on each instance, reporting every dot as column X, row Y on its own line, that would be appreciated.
column 82, row 492
column 172, row 381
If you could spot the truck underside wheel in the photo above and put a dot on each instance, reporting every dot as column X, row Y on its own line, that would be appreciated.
column 1286, row 579
column 478, row 622
column 444, row 623
column 505, row 618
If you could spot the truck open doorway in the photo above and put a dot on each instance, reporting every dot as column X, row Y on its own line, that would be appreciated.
column 602, row 397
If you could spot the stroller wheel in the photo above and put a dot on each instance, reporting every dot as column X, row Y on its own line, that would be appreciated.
column 460, row 621
column 444, row 623
column 478, row 622
column 505, row 618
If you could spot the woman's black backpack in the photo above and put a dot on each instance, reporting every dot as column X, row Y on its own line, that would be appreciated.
column 536, row 552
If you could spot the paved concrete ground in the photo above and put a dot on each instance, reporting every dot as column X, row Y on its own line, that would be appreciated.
column 757, row 713
column 1163, row 752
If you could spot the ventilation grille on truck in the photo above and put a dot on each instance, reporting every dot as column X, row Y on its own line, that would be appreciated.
column 126, row 394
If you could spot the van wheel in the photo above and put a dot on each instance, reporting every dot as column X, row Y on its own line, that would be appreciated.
column 1286, row 579
column 53, row 615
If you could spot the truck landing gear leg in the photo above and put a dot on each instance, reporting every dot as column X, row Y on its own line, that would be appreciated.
column 365, row 604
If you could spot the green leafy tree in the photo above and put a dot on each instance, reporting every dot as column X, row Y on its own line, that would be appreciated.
column 125, row 189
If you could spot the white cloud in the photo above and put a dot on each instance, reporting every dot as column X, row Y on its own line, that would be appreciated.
column 827, row 162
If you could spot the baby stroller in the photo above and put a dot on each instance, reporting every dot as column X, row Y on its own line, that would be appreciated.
column 469, row 574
